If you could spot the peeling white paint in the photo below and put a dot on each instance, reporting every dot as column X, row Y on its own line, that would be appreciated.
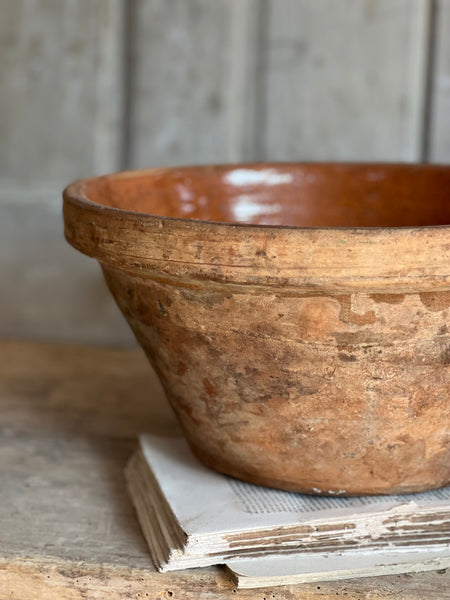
column 244, row 177
column 316, row 490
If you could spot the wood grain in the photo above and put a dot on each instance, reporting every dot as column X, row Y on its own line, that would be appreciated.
column 50, row 292
column 344, row 81
column 438, row 134
column 40, row 579
column 63, row 90
column 180, row 65
column 67, row 530
column 75, row 390
column 61, row 106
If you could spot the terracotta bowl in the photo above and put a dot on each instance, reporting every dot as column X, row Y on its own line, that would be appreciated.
column 297, row 314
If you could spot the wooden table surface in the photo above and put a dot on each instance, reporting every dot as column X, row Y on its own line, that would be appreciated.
column 69, row 420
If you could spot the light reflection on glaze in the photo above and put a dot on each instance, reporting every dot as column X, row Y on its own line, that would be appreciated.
column 247, row 207
column 375, row 175
column 186, row 200
column 252, row 177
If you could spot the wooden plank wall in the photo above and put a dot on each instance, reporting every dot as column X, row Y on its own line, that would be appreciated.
column 91, row 86
column 61, row 115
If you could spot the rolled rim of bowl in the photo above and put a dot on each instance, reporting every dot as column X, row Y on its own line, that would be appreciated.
column 321, row 259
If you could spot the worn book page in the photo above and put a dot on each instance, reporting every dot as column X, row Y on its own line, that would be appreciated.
column 305, row 568
column 205, row 502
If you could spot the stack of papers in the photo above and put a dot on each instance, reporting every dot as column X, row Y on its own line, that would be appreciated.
column 192, row 516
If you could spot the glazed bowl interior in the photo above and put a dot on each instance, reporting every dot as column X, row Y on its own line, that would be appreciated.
column 307, row 195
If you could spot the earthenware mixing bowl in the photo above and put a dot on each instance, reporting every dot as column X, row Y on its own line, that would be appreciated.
column 297, row 314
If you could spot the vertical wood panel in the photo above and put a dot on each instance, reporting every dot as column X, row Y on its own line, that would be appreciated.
column 60, row 119
column 181, row 52
column 245, row 73
column 345, row 79
column 60, row 81
column 48, row 290
column 439, row 134
column 109, row 86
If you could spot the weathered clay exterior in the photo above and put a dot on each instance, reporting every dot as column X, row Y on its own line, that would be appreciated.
column 310, row 358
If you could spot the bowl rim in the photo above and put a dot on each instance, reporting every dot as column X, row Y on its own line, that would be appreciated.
column 287, row 259
column 75, row 193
